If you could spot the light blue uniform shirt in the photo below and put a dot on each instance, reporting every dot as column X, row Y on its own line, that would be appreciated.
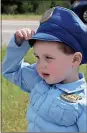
column 47, row 111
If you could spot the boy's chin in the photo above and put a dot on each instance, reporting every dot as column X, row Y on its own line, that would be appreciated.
column 50, row 82
column 53, row 82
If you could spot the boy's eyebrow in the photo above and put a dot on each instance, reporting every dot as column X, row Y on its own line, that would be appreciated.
column 43, row 54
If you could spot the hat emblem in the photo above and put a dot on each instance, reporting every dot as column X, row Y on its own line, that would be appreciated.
column 47, row 15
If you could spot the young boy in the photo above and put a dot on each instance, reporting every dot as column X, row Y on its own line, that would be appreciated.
column 57, row 90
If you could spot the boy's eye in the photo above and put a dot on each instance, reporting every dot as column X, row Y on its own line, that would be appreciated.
column 37, row 57
column 47, row 57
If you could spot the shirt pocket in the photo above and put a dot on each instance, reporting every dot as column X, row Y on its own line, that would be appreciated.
column 63, row 113
column 38, row 92
column 34, row 97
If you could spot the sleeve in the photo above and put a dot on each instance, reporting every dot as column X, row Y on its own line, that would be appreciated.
column 16, row 70
column 82, row 121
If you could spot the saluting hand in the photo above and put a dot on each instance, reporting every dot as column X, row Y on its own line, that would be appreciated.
column 23, row 34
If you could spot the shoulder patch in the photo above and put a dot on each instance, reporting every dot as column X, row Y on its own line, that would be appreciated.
column 71, row 97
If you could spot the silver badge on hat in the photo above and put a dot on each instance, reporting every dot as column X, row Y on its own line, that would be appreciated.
column 47, row 15
column 71, row 97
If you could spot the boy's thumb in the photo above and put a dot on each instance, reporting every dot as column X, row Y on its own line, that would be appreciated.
column 32, row 32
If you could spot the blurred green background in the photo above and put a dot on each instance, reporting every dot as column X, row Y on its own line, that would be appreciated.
column 30, row 6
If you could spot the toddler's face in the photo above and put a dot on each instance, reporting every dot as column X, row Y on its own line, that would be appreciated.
column 52, row 64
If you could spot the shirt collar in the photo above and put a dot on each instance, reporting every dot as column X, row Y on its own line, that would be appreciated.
column 74, row 86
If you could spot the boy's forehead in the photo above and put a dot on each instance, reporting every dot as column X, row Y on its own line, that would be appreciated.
column 46, row 48
column 46, row 45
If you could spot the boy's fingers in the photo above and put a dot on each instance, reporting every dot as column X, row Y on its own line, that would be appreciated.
column 24, row 33
column 19, row 34
column 29, row 33
column 32, row 32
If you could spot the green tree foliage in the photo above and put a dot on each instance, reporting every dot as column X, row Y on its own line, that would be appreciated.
column 8, row 9
column 26, row 7
column 30, row 6
column 43, row 6
column 64, row 3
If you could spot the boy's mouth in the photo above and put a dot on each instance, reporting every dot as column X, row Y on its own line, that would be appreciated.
column 45, row 75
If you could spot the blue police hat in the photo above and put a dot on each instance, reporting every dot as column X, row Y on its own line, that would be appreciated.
column 63, row 25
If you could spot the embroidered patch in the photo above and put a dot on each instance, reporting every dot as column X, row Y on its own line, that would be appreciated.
column 47, row 15
column 71, row 97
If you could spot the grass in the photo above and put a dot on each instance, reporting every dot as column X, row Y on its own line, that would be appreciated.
column 14, row 105
column 21, row 17
column 15, row 101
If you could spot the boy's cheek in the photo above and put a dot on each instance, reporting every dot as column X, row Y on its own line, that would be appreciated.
column 52, row 68
column 57, row 68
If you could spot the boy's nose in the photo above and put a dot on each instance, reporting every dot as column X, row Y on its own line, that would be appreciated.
column 42, row 65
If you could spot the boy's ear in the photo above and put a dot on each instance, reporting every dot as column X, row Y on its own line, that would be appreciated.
column 77, row 58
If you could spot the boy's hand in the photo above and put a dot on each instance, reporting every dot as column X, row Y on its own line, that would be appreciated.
column 23, row 34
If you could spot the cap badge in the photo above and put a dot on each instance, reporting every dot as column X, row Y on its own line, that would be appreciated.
column 47, row 15
column 71, row 97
